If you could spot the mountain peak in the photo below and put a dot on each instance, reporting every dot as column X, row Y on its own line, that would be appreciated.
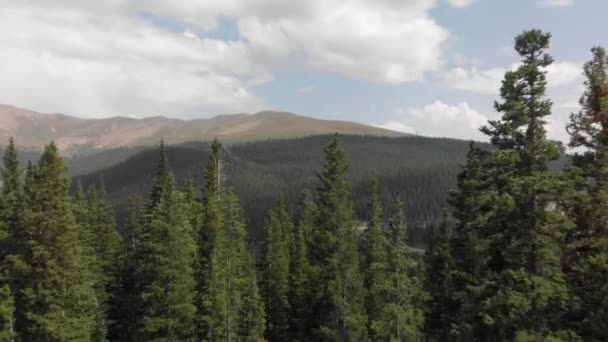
column 76, row 135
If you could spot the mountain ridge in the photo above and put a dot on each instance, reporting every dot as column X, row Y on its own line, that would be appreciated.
column 74, row 135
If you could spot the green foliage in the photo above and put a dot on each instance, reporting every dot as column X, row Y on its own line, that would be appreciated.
column 300, row 270
column 339, row 306
column 401, row 318
column 230, row 291
column 102, row 245
column 275, row 272
column 54, row 294
column 165, row 256
column 125, row 303
column 375, row 263
column 7, row 310
column 441, row 305
column 209, row 237
column 587, row 260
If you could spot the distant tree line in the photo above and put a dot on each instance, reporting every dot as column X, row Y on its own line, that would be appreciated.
column 522, row 254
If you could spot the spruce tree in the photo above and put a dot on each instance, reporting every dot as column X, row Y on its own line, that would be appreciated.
column 375, row 263
column 527, row 234
column 165, row 257
column 102, row 244
column 125, row 304
column 587, row 262
column 11, row 209
column 209, row 236
column 230, row 299
column 251, row 316
column 11, row 202
column 401, row 318
column 474, row 204
column 192, row 203
column 300, row 270
column 339, row 306
column 441, row 305
column 55, row 294
column 275, row 271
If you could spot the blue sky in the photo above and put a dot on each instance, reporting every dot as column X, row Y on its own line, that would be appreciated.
column 431, row 67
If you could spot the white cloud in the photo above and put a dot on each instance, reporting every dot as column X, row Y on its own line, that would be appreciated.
column 488, row 81
column 110, row 61
column 398, row 126
column 99, row 61
column 556, row 3
column 441, row 120
column 564, row 73
column 460, row 3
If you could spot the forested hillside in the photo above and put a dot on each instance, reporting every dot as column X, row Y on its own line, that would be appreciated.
column 419, row 170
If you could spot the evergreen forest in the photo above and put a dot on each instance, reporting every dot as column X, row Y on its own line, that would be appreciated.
column 519, row 251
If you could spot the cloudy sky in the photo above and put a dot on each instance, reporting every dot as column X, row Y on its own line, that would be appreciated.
column 431, row 67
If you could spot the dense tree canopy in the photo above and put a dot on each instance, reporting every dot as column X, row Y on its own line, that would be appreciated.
column 520, row 253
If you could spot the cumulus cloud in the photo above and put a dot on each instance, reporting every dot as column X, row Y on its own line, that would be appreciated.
column 556, row 3
column 103, row 58
column 460, row 3
column 441, row 120
column 488, row 81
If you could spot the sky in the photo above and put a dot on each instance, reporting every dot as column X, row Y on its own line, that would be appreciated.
column 429, row 67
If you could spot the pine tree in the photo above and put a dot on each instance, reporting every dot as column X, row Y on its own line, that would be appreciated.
column 300, row 270
column 474, row 203
column 339, row 306
column 192, row 204
column 275, row 271
column 125, row 305
column 102, row 244
column 527, row 234
column 401, row 317
column 55, row 295
column 375, row 263
column 165, row 257
column 588, row 246
column 11, row 202
column 442, row 306
column 11, row 209
column 209, row 236
column 230, row 298
column 251, row 315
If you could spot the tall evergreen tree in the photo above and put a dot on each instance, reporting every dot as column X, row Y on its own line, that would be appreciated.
column 275, row 271
column 474, row 204
column 439, row 260
column 375, row 263
column 339, row 310
column 11, row 209
column 55, row 295
column 165, row 257
column 526, row 269
column 401, row 318
column 209, row 236
column 230, row 295
column 588, row 246
column 102, row 244
column 124, row 306
column 192, row 203
column 300, row 270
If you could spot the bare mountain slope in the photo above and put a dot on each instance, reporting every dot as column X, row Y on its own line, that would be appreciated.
column 74, row 135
